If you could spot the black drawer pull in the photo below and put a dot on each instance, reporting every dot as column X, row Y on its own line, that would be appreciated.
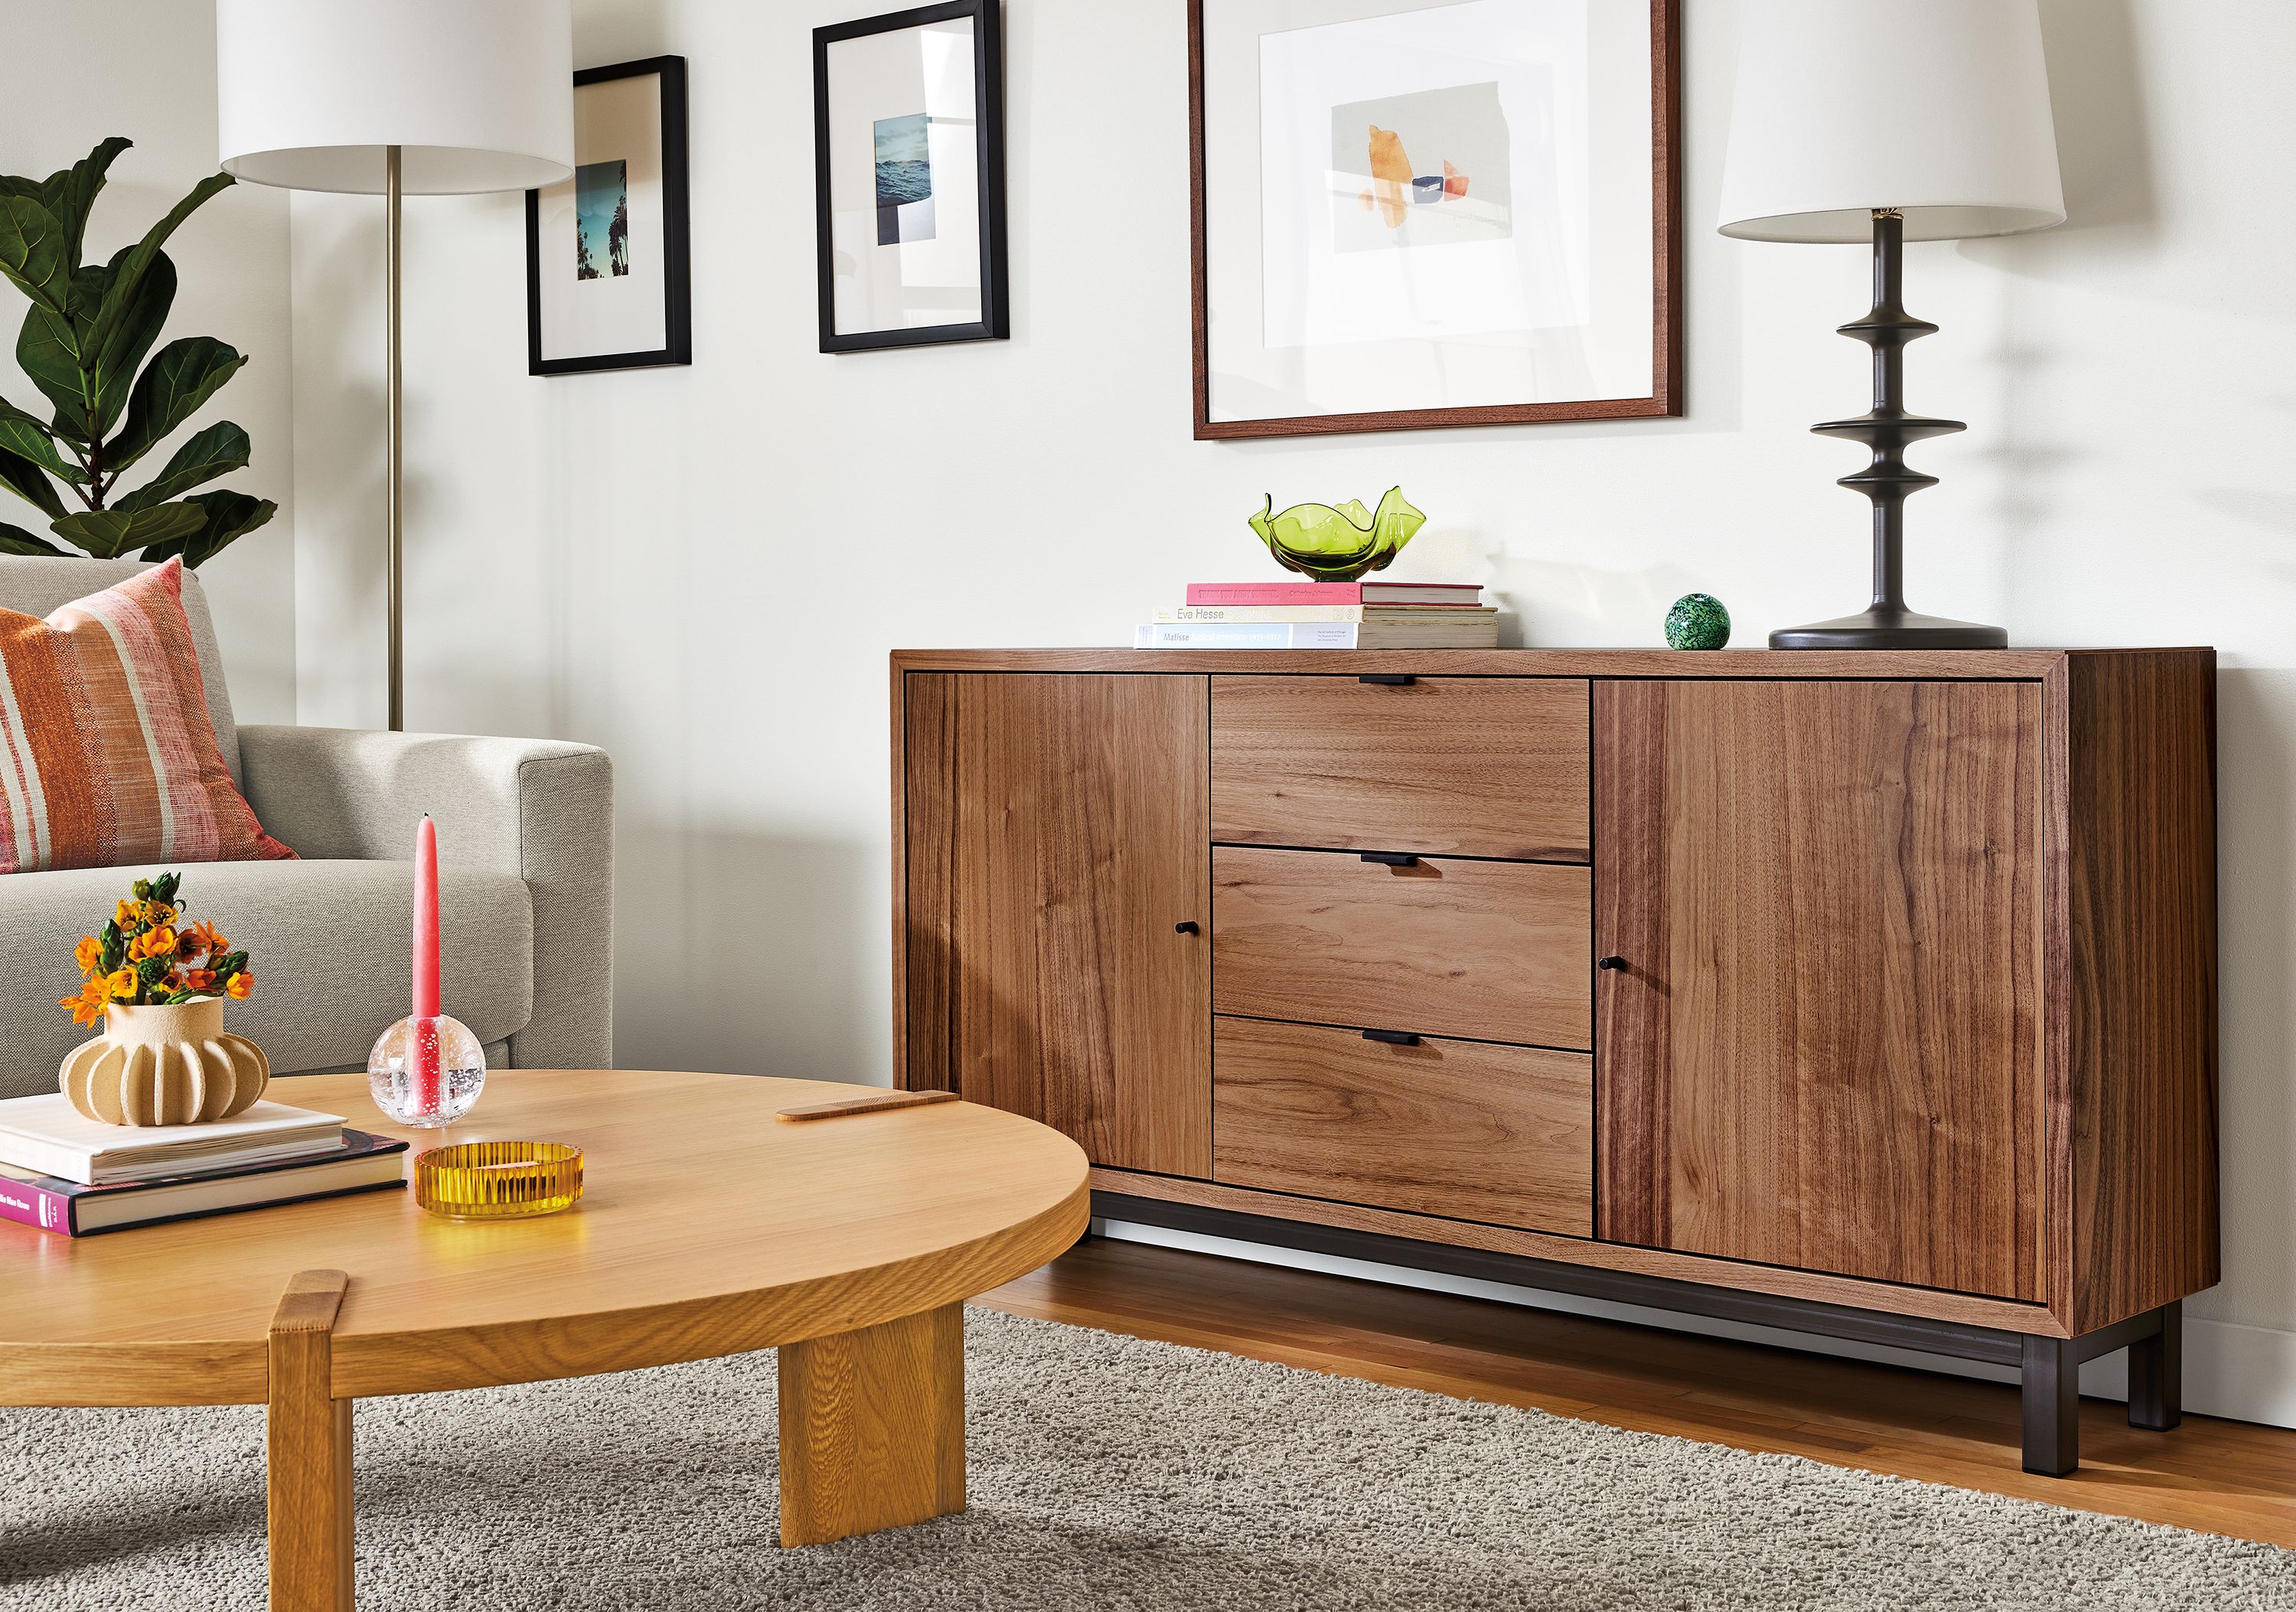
column 1393, row 1038
column 1391, row 859
column 1610, row 962
column 1189, row 927
column 1389, row 679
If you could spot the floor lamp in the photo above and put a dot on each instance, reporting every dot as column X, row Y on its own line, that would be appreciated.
column 395, row 98
column 1884, row 121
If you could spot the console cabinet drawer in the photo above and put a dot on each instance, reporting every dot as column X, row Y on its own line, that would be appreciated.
column 1492, row 767
column 1498, row 1134
column 1499, row 951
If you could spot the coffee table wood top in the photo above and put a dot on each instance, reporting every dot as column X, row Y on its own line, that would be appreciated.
column 706, row 1228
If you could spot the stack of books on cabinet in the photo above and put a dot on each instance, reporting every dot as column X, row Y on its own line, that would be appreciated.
column 1325, row 615
column 65, row 1173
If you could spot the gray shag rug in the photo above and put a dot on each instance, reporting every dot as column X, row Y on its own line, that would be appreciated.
column 1106, row 1472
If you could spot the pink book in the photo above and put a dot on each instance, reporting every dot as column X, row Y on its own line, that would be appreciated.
column 1335, row 593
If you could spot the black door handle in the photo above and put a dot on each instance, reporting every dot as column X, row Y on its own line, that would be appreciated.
column 1391, row 859
column 1610, row 962
column 1187, row 928
column 1389, row 679
column 1393, row 1038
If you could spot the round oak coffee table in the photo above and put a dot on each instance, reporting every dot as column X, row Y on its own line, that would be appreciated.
column 707, row 1227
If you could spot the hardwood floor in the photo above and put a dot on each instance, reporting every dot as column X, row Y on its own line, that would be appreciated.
column 2218, row 1477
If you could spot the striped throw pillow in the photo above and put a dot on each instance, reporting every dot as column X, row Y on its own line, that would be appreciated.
column 107, row 754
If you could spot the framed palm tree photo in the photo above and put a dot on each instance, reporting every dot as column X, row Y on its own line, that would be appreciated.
column 607, row 254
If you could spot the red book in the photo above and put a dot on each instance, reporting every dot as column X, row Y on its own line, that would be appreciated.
column 363, row 1164
column 1335, row 593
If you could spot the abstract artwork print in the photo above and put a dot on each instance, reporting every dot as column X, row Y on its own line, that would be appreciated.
column 1427, row 169
column 602, row 220
column 904, row 187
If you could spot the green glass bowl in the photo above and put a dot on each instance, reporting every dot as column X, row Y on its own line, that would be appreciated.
column 1338, row 545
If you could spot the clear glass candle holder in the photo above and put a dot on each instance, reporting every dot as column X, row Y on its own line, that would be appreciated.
column 396, row 1079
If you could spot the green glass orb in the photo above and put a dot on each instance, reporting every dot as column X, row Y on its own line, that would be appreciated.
column 1697, row 621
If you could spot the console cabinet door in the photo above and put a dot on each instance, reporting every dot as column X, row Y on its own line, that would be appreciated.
column 1823, row 1050
column 1055, row 837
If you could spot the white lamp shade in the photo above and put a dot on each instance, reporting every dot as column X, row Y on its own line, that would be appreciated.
column 1937, row 108
column 479, row 94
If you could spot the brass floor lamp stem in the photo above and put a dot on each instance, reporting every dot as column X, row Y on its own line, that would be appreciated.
column 392, row 436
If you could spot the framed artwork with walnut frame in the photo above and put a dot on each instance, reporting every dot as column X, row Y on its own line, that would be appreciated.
column 1419, row 213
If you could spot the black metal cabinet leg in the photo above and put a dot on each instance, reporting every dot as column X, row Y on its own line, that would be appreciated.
column 2156, row 1373
column 2052, row 1390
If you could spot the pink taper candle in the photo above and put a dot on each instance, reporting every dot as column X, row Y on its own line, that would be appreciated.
column 425, row 1072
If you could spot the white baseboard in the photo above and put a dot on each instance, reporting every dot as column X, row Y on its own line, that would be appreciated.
column 2245, row 1373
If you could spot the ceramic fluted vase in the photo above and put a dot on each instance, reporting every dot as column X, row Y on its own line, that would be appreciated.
column 165, row 1064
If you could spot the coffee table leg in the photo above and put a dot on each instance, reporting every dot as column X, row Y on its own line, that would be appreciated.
column 309, row 1446
column 872, row 1427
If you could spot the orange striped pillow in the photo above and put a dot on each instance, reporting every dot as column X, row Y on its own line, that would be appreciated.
column 108, row 757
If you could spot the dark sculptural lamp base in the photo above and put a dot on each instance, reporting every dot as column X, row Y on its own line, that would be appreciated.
column 1886, row 430
column 1890, row 629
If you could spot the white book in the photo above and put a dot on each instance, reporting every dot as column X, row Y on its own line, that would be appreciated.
column 1481, row 633
column 1449, row 615
column 46, row 1134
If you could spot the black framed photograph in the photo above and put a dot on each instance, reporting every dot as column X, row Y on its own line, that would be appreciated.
column 1421, row 213
column 608, row 281
column 909, row 133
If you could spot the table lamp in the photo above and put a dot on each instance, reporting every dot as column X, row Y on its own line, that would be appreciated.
column 431, row 97
column 1889, row 121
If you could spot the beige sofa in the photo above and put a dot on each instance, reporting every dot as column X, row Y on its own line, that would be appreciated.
column 526, row 873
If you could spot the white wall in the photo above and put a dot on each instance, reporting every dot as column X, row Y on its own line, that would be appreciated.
column 702, row 569
column 151, row 78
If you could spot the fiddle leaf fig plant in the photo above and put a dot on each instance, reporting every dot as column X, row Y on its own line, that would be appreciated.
column 83, row 344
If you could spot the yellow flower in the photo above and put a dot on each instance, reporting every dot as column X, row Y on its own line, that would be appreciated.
column 128, row 915
column 87, row 954
column 88, row 1005
column 122, row 984
column 158, row 913
column 239, row 985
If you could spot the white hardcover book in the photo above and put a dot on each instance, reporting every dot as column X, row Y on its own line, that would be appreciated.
column 1244, row 635
column 46, row 1134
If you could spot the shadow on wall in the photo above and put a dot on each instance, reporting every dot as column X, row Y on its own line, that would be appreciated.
column 752, row 953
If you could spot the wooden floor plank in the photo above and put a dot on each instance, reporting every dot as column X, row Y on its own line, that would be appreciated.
column 2215, row 1476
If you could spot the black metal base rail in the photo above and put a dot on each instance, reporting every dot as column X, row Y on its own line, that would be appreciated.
column 2049, row 1367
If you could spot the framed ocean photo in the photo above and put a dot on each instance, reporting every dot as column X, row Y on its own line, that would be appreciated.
column 607, row 254
column 1424, row 213
column 908, row 131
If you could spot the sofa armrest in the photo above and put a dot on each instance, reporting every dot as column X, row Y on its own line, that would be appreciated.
column 539, row 808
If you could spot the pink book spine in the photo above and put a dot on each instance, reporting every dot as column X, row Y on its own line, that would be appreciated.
column 1275, row 593
column 30, row 1205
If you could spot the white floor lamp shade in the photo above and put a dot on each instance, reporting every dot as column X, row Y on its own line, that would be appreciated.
column 433, row 97
column 477, row 94
column 1938, row 109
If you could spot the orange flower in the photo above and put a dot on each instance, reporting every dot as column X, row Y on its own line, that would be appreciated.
column 122, row 984
column 128, row 915
column 88, row 1005
column 156, row 943
column 239, row 985
column 198, row 979
column 87, row 954
column 158, row 913
column 201, row 940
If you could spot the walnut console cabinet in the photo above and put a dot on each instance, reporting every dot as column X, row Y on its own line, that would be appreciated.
column 1865, row 994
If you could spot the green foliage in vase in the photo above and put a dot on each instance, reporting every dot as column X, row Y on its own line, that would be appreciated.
column 84, row 344
column 1338, row 545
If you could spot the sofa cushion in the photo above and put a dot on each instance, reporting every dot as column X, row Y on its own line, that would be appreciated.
column 331, row 946
column 107, row 754
column 36, row 584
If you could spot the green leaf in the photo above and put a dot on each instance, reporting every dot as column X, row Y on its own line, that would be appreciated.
column 216, row 451
column 25, row 437
column 48, row 349
column 24, row 479
column 108, row 533
column 15, row 539
column 230, row 515
column 71, row 194
column 32, row 251
column 126, row 271
column 186, row 375
column 116, row 358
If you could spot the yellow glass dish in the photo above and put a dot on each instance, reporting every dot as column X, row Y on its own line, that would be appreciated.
column 498, row 1180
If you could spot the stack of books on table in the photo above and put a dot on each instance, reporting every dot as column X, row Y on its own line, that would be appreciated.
column 1325, row 615
column 74, row 1176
